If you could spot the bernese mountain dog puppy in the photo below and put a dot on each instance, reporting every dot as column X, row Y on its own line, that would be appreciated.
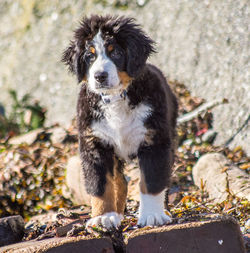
column 125, row 111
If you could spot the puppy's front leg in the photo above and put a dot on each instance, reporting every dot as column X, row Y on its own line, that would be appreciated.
column 98, row 169
column 155, row 166
column 104, row 211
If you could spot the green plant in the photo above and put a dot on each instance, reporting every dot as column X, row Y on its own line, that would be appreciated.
column 24, row 116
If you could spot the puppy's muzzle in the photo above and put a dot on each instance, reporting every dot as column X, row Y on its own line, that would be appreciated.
column 101, row 78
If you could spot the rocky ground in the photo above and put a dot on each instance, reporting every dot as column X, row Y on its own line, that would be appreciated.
column 32, row 179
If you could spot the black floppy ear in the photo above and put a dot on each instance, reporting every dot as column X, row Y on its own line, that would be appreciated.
column 138, row 45
column 73, row 58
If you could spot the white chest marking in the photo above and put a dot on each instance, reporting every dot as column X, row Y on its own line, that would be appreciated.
column 122, row 127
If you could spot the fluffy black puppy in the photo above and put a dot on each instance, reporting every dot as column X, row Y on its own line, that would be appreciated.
column 125, row 111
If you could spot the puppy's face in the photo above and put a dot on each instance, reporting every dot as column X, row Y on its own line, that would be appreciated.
column 105, row 59
column 107, row 52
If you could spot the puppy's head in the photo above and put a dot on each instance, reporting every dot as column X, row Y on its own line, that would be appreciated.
column 107, row 52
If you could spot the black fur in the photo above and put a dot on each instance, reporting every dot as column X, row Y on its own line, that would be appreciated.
column 148, row 86
column 132, row 40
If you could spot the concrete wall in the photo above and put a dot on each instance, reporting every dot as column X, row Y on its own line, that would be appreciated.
column 203, row 44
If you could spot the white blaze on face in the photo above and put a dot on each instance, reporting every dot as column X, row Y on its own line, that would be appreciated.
column 102, row 63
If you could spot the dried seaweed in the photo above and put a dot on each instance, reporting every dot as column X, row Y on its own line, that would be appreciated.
column 32, row 179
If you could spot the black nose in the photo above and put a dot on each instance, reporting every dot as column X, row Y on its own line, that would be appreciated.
column 101, row 77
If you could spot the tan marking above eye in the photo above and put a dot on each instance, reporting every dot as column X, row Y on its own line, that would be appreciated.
column 92, row 50
column 110, row 48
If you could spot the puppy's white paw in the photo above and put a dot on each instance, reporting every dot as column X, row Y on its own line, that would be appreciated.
column 153, row 219
column 151, row 211
column 108, row 220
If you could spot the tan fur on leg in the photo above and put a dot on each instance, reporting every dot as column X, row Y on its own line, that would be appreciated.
column 114, row 197
column 143, row 186
column 121, row 189
column 105, row 203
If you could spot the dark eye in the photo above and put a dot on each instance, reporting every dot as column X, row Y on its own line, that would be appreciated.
column 90, row 55
column 116, row 54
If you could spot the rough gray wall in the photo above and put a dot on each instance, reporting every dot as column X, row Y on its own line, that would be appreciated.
column 33, row 37
column 203, row 44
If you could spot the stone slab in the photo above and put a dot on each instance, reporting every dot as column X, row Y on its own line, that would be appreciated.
column 222, row 236
column 62, row 245
column 11, row 229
